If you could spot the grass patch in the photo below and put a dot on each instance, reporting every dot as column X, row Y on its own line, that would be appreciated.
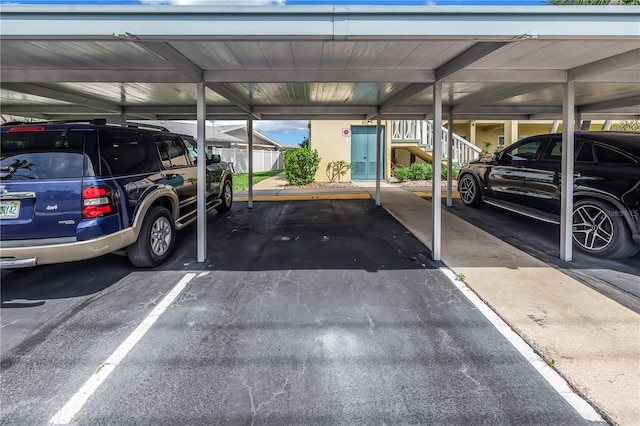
column 241, row 180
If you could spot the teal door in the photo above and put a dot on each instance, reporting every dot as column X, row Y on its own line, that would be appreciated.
column 363, row 152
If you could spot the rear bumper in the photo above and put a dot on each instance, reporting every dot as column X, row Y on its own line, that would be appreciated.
column 23, row 257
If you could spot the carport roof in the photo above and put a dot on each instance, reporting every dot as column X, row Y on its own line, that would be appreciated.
column 318, row 62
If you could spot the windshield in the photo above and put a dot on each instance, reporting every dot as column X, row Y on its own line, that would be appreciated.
column 43, row 155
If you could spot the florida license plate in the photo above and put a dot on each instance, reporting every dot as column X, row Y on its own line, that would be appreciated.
column 9, row 209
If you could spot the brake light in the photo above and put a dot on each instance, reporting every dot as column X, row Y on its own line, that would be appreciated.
column 97, row 201
column 24, row 129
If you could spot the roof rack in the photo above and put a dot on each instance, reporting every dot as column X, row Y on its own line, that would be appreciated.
column 139, row 125
column 98, row 121
column 15, row 123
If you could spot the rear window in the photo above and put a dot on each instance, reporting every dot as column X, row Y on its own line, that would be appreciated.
column 44, row 155
column 607, row 155
column 124, row 152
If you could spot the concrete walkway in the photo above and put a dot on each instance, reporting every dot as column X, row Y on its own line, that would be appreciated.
column 592, row 341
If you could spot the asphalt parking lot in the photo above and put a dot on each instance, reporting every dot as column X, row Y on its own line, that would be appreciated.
column 323, row 312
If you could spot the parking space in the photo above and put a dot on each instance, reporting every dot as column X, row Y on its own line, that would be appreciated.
column 618, row 279
column 301, row 315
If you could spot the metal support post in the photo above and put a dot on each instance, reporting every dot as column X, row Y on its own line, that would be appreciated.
column 450, row 160
column 566, row 176
column 436, row 191
column 201, row 169
column 250, row 148
column 378, row 158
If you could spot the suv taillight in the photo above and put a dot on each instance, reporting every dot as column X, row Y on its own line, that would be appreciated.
column 97, row 201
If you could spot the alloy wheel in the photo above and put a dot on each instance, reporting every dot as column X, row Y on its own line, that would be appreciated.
column 467, row 189
column 227, row 194
column 592, row 227
column 161, row 236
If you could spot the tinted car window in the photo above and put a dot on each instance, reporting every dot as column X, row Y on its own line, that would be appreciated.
column 554, row 150
column 44, row 155
column 526, row 151
column 172, row 151
column 123, row 152
column 585, row 153
column 606, row 155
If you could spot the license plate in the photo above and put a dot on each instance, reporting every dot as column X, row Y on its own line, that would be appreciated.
column 9, row 209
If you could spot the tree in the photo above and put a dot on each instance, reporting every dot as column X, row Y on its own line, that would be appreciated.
column 594, row 2
column 10, row 118
column 305, row 142
column 627, row 125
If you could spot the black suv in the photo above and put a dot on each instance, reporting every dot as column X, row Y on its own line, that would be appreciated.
column 525, row 178
column 77, row 190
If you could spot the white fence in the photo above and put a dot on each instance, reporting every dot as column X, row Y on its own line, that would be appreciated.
column 262, row 160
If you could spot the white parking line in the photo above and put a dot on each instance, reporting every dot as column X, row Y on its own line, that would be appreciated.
column 77, row 401
column 549, row 374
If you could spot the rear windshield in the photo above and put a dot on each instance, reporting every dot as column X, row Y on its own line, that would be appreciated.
column 43, row 155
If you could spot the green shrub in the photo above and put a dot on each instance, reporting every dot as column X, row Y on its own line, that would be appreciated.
column 301, row 165
column 336, row 169
column 401, row 173
column 455, row 169
column 420, row 171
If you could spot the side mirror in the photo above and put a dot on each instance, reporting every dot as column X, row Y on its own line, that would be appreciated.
column 500, row 157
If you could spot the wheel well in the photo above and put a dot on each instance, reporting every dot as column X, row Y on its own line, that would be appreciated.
column 615, row 204
column 473, row 176
column 164, row 202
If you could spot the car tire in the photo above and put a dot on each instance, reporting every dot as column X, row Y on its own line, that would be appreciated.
column 156, row 239
column 470, row 192
column 226, row 197
column 599, row 231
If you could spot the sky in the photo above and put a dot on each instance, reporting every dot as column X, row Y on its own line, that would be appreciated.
column 291, row 2
column 286, row 132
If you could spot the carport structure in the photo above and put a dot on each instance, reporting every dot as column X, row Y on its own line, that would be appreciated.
column 324, row 62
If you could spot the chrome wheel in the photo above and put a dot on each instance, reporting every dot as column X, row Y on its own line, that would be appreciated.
column 593, row 229
column 161, row 236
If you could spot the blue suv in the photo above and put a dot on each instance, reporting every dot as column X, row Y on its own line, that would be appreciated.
column 77, row 190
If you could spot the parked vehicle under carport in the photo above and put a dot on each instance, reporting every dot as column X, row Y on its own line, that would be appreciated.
column 526, row 178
